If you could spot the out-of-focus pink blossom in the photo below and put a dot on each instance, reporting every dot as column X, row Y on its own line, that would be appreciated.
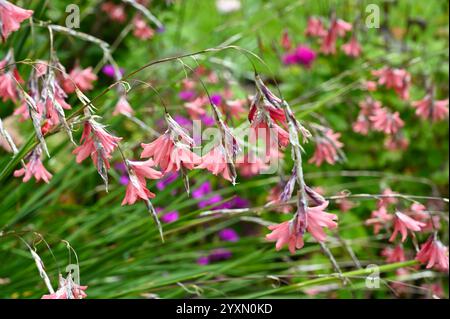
column 170, row 217
column 123, row 107
column 251, row 165
column 9, row 78
column 434, row 254
column 397, row 79
column 236, row 107
column 79, row 78
column 434, row 110
column 396, row 142
column 403, row 223
column 394, row 255
column 286, row 42
column 11, row 16
column 196, row 108
column 115, row 12
column 370, row 86
column 141, row 29
column 315, row 28
column 378, row 219
column 385, row 121
column 352, row 48
column 327, row 148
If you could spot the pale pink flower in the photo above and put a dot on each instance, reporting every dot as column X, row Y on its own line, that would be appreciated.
column 327, row 148
column 141, row 29
column 368, row 106
column 123, row 107
column 394, row 255
column 115, row 12
column 315, row 28
column 68, row 289
column 344, row 204
column 284, row 234
column 361, row 125
column 378, row 219
column 169, row 152
column 137, row 188
column 11, row 17
column 9, row 78
column 385, row 121
column 34, row 168
column 352, row 48
column 342, row 27
column 370, row 86
column 427, row 108
column 338, row 28
column 397, row 79
column 419, row 212
column 97, row 143
column 388, row 198
column 434, row 254
column 79, row 78
column 403, row 223
column 215, row 161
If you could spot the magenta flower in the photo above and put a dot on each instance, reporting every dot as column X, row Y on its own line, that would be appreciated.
column 109, row 71
column 167, row 179
column 228, row 234
column 203, row 260
column 186, row 95
column 170, row 217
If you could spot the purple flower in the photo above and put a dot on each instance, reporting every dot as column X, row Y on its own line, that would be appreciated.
column 204, row 260
column 186, row 95
column 207, row 120
column 289, row 58
column 166, row 180
column 120, row 167
column 210, row 201
column 216, row 99
column 108, row 70
column 228, row 234
column 124, row 180
column 170, row 217
column 220, row 254
column 161, row 29
column 202, row 190
column 183, row 121
column 235, row 202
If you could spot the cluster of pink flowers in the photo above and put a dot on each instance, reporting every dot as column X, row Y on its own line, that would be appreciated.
column 430, row 109
column 397, row 79
column 68, row 289
column 327, row 148
column 407, row 223
column 11, row 17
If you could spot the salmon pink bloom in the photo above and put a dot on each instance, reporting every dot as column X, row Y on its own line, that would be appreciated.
column 196, row 108
column 250, row 165
column 9, row 77
column 434, row 254
column 123, row 107
column 34, row 168
column 318, row 219
column 403, row 223
column 370, row 86
column 385, row 121
column 315, row 28
column 284, row 234
column 236, row 107
column 215, row 161
column 79, row 78
column 137, row 188
column 362, row 125
column 141, row 29
column 387, row 198
column 397, row 79
column 172, row 150
column 427, row 108
column 11, row 17
column 68, row 289
column 338, row 28
column 327, row 148
column 378, row 219
column 394, row 255
column 352, row 48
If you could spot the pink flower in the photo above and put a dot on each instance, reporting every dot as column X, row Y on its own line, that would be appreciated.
column 394, row 255
column 10, row 18
column 397, row 79
column 34, row 168
column 318, row 219
column 352, row 48
column 169, row 152
column 434, row 254
column 215, row 161
column 286, row 42
column 236, row 107
column 284, row 234
column 385, row 121
column 196, row 107
column 378, row 219
column 402, row 223
column 429, row 109
column 137, row 188
column 8, row 79
column 396, row 142
column 115, row 12
column 274, row 198
column 141, row 29
column 79, row 78
column 97, row 143
column 342, row 27
column 315, row 28
column 250, row 165
column 388, row 198
column 370, row 86
column 338, row 28
column 362, row 125
column 327, row 148
column 67, row 290
column 123, row 107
